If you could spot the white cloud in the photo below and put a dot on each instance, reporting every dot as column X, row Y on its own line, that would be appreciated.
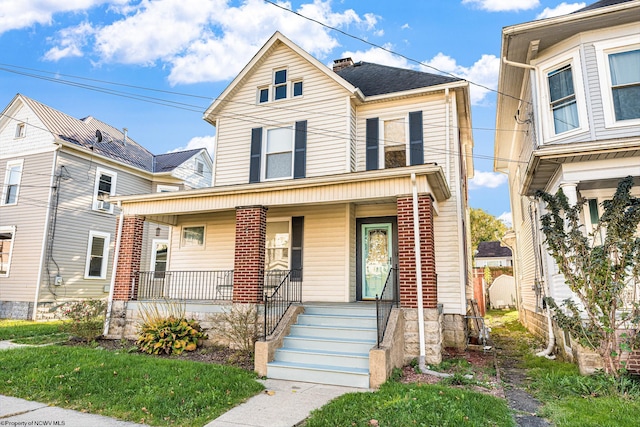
column 377, row 55
column 507, row 218
column 16, row 14
column 209, row 41
column 486, row 180
column 405, row 27
column 207, row 142
column 71, row 40
column 503, row 5
column 561, row 9
column 484, row 72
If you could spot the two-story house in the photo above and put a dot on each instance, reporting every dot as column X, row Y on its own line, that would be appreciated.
column 57, row 228
column 319, row 178
column 570, row 96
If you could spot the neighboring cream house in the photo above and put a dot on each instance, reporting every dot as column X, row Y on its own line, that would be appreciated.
column 315, row 174
column 570, row 92
column 57, row 228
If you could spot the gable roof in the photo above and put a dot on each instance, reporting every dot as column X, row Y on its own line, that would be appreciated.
column 114, row 145
column 601, row 3
column 169, row 161
column 492, row 250
column 375, row 79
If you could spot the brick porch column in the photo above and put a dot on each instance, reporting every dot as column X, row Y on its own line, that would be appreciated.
column 406, row 252
column 129, row 257
column 248, row 271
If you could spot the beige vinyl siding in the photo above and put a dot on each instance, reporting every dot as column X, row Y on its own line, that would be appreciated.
column 28, row 217
column 75, row 220
column 353, row 130
column 374, row 210
column 433, row 117
column 322, row 105
column 149, row 235
column 37, row 137
column 218, row 251
column 187, row 172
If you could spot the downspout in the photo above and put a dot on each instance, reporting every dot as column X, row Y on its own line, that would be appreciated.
column 418, row 258
column 517, row 64
column 547, row 352
column 45, row 233
column 116, row 254
column 447, row 136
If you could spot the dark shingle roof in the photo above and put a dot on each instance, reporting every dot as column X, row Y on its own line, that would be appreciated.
column 375, row 79
column 170, row 161
column 492, row 250
column 601, row 3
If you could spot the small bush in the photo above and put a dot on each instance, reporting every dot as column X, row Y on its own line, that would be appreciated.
column 239, row 326
column 168, row 331
column 87, row 318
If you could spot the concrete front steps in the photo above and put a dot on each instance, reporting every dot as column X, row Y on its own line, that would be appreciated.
column 329, row 344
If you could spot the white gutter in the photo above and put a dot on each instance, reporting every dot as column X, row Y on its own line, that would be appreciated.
column 45, row 233
column 116, row 254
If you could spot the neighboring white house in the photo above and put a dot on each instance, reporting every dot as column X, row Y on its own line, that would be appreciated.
column 569, row 89
column 315, row 176
column 492, row 254
column 57, row 226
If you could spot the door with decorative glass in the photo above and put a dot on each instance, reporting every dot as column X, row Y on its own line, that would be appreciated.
column 376, row 251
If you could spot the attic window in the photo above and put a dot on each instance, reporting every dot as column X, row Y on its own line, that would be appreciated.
column 20, row 130
column 281, row 87
column 199, row 167
column 280, row 84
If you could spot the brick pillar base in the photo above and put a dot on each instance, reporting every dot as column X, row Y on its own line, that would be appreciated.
column 406, row 252
column 248, row 272
column 129, row 257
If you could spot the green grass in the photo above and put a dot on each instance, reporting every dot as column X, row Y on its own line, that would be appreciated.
column 570, row 399
column 130, row 387
column 397, row 404
column 22, row 329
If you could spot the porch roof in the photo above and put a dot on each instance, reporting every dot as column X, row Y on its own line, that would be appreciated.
column 370, row 186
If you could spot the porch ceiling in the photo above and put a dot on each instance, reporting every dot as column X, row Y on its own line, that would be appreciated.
column 358, row 187
column 546, row 160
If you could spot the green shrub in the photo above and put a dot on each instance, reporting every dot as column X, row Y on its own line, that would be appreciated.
column 168, row 331
column 86, row 318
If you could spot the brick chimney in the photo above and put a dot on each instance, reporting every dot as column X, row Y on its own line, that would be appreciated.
column 339, row 64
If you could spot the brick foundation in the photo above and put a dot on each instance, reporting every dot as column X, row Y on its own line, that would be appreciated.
column 406, row 252
column 248, row 273
column 129, row 257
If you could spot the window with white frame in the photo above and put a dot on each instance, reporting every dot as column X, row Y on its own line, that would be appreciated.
column 12, row 178
column 277, row 245
column 105, row 187
column 619, row 72
column 278, row 153
column 192, row 237
column 281, row 87
column 199, row 167
column 7, row 235
column 394, row 140
column 21, row 130
column 562, row 105
column 97, row 255
column 166, row 188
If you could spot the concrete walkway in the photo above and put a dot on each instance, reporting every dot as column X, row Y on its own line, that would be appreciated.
column 282, row 404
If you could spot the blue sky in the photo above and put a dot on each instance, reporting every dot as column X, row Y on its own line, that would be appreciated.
column 196, row 47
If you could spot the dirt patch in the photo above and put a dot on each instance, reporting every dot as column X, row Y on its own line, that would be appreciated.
column 209, row 354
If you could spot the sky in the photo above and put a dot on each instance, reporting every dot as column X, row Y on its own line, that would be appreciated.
column 154, row 66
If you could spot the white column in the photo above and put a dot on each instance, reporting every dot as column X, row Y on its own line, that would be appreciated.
column 570, row 189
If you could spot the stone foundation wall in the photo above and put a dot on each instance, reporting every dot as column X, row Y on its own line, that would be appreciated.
column 19, row 310
column 454, row 331
column 536, row 323
column 433, row 330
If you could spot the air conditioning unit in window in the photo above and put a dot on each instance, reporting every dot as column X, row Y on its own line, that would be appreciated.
column 103, row 205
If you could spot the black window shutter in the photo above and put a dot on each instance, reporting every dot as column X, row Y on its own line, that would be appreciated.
column 372, row 144
column 300, row 154
column 416, row 145
column 256, row 154
column 297, row 231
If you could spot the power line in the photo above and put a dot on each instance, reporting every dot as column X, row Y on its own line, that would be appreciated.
column 360, row 39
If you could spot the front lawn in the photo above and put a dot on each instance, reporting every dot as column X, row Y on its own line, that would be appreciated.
column 132, row 387
column 416, row 404
column 28, row 332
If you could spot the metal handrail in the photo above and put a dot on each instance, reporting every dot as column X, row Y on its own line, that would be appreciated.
column 278, row 301
column 185, row 285
column 389, row 297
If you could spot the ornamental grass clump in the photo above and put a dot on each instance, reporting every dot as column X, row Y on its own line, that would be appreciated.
column 165, row 330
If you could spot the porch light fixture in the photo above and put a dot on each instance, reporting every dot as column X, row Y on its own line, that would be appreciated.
column 158, row 230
